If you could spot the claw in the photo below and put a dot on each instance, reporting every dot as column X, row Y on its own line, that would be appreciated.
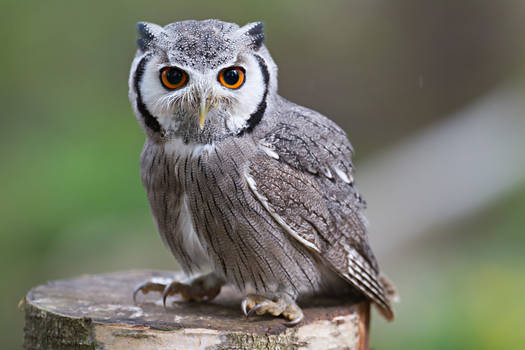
column 254, row 309
column 135, row 291
column 294, row 322
column 243, row 307
column 165, row 296
column 170, row 289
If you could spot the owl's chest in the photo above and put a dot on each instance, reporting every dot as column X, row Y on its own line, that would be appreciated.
column 208, row 179
column 164, row 167
column 166, row 175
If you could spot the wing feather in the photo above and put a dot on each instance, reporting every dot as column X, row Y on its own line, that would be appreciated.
column 304, row 179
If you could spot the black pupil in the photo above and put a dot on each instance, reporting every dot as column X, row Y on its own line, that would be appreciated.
column 174, row 76
column 231, row 76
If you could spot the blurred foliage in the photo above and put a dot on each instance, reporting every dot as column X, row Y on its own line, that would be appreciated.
column 69, row 145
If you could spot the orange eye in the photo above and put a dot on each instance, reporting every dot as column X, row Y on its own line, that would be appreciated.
column 173, row 78
column 232, row 77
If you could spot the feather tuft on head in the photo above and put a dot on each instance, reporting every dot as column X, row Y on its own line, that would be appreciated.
column 148, row 32
column 252, row 34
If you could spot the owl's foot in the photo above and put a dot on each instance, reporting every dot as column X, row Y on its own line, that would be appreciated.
column 203, row 288
column 281, row 305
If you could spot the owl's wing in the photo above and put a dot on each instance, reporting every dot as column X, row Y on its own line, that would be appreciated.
column 305, row 182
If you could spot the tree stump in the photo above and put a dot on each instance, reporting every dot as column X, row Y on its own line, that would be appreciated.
column 97, row 312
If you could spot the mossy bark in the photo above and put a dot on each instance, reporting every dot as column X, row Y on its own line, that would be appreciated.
column 47, row 330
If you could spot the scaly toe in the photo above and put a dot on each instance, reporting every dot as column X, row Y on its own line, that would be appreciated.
column 294, row 314
column 146, row 287
column 285, row 306
column 294, row 321
column 205, row 287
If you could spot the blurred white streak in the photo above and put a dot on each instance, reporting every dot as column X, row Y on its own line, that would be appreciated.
column 448, row 171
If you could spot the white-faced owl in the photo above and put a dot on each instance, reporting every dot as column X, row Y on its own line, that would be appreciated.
column 242, row 182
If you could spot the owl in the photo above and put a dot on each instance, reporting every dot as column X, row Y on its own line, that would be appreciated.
column 245, row 187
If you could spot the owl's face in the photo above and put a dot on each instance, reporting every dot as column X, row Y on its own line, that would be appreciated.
column 200, row 80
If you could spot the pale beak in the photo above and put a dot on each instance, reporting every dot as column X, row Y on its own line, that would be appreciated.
column 203, row 111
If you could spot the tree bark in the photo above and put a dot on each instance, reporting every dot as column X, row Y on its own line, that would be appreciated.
column 97, row 312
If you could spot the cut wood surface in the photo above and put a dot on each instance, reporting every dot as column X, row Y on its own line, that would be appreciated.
column 97, row 312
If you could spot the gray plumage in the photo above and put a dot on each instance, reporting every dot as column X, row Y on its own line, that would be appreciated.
column 262, row 193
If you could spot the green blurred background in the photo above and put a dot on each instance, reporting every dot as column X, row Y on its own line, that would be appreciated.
column 384, row 70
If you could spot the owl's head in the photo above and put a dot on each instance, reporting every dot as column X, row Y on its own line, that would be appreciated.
column 201, row 81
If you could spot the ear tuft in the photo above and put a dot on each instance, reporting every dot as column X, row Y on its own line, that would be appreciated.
column 148, row 32
column 253, row 34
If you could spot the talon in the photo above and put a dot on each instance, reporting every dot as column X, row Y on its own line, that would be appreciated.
column 254, row 309
column 135, row 291
column 164, row 297
column 243, row 307
column 170, row 289
column 294, row 322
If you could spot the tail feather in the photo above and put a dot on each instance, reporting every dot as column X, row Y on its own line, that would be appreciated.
column 392, row 295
